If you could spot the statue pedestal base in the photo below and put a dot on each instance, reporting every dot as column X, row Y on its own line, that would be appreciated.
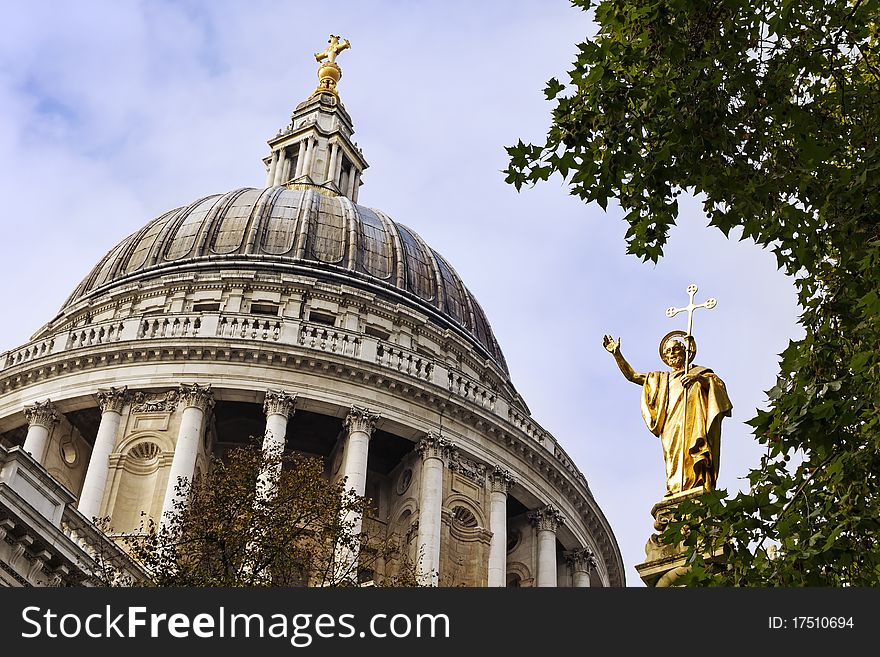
column 664, row 563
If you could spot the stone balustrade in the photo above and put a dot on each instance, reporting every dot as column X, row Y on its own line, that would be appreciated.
column 28, row 352
column 248, row 327
column 169, row 327
column 404, row 360
column 101, row 334
column 306, row 335
column 532, row 429
column 328, row 338
column 466, row 387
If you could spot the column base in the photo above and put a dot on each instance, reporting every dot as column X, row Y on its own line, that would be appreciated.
column 664, row 563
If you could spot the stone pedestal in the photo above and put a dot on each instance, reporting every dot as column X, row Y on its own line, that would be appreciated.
column 664, row 563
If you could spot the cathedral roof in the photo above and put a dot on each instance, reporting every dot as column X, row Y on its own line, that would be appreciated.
column 300, row 230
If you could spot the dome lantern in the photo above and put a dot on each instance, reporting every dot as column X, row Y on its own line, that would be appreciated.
column 315, row 149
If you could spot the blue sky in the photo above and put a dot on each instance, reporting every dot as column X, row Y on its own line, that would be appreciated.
column 114, row 112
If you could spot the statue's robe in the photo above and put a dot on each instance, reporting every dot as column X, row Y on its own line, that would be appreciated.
column 691, row 449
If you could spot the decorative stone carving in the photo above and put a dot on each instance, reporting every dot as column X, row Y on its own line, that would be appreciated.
column 112, row 400
column 581, row 560
column 476, row 472
column 69, row 452
column 38, row 563
column 278, row 402
column 6, row 526
column 196, row 396
column 500, row 480
column 360, row 419
column 433, row 446
column 547, row 518
column 153, row 403
column 412, row 532
column 42, row 414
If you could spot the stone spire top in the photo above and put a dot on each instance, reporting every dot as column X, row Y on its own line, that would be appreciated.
column 315, row 149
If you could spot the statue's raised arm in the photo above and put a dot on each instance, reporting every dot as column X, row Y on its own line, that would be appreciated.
column 612, row 346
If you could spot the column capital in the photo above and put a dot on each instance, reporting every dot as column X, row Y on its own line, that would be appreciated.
column 582, row 560
column 195, row 396
column 41, row 413
column 360, row 419
column 500, row 480
column 547, row 518
column 278, row 402
column 434, row 446
column 113, row 399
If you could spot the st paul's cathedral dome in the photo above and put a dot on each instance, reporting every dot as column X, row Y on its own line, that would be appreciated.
column 295, row 313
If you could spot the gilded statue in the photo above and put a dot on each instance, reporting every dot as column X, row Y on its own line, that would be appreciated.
column 684, row 408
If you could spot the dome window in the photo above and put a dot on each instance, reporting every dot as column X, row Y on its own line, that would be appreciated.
column 264, row 309
column 206, row 307
column 322, row 318
column 374, row 332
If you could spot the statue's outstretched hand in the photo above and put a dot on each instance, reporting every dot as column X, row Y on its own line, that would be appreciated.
column 611, row 345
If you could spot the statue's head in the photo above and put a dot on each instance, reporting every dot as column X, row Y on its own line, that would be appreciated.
column 673, row 350
column 674, row 354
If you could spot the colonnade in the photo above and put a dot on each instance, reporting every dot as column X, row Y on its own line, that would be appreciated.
column 436, row 455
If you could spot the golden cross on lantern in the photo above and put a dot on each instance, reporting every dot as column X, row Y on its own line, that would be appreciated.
column 335, row 47
column 690, row 308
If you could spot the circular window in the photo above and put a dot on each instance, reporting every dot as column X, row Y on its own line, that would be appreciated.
column 404, row 481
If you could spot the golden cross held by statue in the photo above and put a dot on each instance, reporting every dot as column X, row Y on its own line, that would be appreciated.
column 690, row 308
column 335, row 47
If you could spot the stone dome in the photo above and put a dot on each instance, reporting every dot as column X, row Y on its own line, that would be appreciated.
column 302, row 230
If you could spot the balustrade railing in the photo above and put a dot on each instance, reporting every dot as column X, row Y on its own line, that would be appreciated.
column 250, row 328
column 404, row 360
column 170, row 327
column 466, row 387
column 525, row 424
column 29, row 352
column 328, row 338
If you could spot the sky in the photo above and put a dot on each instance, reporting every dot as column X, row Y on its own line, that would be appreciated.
column 114, row 112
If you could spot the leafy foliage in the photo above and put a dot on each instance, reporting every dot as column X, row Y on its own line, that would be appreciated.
column 262, row 519
column 769, row 112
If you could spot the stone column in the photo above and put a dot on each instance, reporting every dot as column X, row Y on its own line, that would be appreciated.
column 351, row 182
column 273, row 164
column 581, row 562
column 546, row 521
column 300, row 158
column 279, row 167
column 111, row 403
column 337, row 173
column 334, row 155
column 278, row 407
column 285, row 171
column 356, row 187
column 360, row 424
column 499, row 482
column 435, row 451
column 40, row 416
column 310, row 153
column 195, row 400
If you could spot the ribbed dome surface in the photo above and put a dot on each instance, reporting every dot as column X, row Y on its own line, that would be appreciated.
column 295, row 230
